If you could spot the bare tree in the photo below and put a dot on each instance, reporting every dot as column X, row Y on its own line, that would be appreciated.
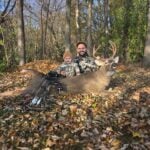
column 125, row 34
column 77, row 13
column 44, row 24
column 68, row 28
column 21, row 33
column 106, row 3
column 147, row 43
column 6, row 11
column 89, row 22
column 4, row 16
column 45, row 29
column 42, row 31
column 106, row 16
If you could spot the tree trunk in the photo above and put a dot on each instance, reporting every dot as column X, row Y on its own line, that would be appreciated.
column 21, row 33
column 147, row 43
column 106, row 5
column 68, row 27
column 106, row 16
column 45, row 30
column 125, row 42
column 78, row 35
column 42, row 47
column 89, row 22
column 2, row 50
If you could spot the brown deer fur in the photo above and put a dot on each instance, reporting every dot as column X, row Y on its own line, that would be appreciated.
column 92, row 82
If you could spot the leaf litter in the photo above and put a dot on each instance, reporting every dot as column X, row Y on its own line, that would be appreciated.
column 118, row 118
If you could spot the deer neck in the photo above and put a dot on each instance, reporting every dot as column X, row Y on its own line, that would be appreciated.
column 105, row 70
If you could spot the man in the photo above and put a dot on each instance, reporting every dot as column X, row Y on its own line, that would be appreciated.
column 84, row 61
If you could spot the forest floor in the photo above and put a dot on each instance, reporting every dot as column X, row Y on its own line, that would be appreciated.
column 118, row 118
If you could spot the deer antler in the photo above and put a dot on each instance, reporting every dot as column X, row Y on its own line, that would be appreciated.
column 113, row 48
column 98, row 60
column 95, row 50
column 102, row 61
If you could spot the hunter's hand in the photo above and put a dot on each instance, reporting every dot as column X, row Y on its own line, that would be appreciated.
column 63, row 73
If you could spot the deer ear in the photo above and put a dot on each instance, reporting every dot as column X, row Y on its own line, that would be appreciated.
column 116, row 59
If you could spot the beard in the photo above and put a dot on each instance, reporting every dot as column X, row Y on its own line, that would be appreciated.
column 83, row 54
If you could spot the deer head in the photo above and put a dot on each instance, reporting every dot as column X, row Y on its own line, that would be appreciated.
column 107, row 63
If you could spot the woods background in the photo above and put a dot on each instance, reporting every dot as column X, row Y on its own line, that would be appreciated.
column 44, row 29
column 36, row 33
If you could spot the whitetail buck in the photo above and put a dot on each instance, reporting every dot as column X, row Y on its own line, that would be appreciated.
column 91, row 82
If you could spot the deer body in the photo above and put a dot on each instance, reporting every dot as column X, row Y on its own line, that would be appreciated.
column 92, row 82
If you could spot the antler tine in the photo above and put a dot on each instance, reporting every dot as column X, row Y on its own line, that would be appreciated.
column 113, row 48
column 95, row 50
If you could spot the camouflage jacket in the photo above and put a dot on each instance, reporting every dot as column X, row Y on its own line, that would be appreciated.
column 85, row 63
column 70, row 69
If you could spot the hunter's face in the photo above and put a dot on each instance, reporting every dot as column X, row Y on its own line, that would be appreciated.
column 81, row 49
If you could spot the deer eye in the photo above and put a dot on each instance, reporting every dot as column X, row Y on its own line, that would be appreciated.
column 114, row 65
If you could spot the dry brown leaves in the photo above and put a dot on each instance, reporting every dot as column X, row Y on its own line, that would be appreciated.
column 118, row 118
column 13, row 83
